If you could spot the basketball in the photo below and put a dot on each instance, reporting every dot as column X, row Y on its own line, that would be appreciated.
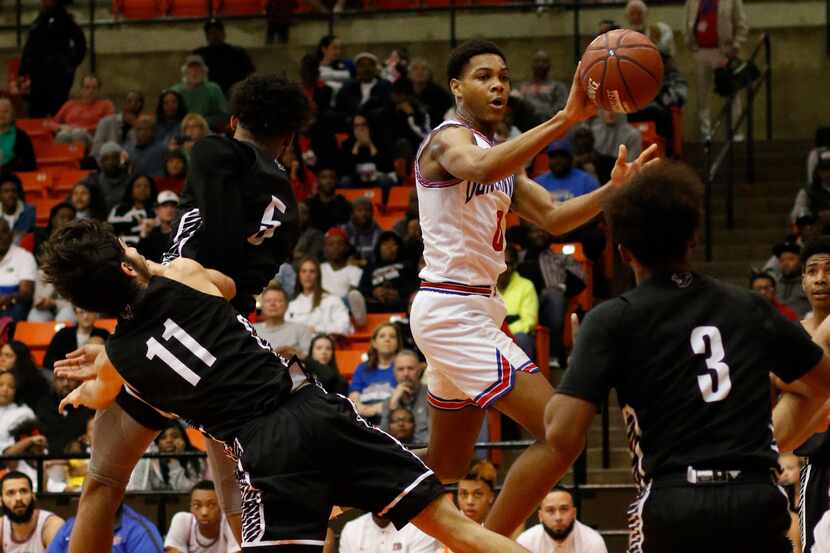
column 622, row 71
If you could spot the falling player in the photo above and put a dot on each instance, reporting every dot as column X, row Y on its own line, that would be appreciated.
column 466, row 186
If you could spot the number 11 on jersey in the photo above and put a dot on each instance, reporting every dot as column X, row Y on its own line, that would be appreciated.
column 172, row 330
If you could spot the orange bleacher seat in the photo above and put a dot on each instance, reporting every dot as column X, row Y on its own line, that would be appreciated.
column 398, row 198
column 193, row 8
column 65, row 179
column 37, row 336
column 106, row 324
column 351, row 194
column 33, row 127
column 242, row 7
column 36, row 184
column 363, row 334
column 348, row 360
column 140, row 9
column 387, row 220
column 60, row 155
column 42, row 208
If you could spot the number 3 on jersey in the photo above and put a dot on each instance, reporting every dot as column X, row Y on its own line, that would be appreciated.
column 498, row 237
column 714, row 381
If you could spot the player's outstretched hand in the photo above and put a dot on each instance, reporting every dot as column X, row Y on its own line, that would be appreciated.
column 79, row 364
column 73, row 399
column 579, row 107
column 623, row 171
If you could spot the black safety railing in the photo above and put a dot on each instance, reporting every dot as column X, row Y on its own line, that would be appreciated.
column 723, row 157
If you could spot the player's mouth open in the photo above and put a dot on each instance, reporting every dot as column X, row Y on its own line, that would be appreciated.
column 498, row 103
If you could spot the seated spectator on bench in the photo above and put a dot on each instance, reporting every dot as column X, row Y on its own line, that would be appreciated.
column 16, row 150
column 521, row 303
column 434, row 97
column 59, row 215
column 401, row 425
column 193, row 128
column 170, row 473
column 365, row 161
column 156, row 233
column 612, row 129
column 328, row 208
column 286, row 337
column 374, row 380
column 19, row 215
column 29, row 528
column 366, row 91
column 137, row 205
column 340, row 277
column 191, row 532
column 118, row 127
column 146, row 156
column 12, row 411
column 564, row 181
column 70, row 338
column 788, row 278
column 410, row 393
column 316, row 308
column 764, row 284
column 362, row 230
column 18, row 272
column 29, row 440
column 333, row 70
column 87, row 201
column 373, row 534
column 477, row 491
column 322, row 362
column 48, row 305
column 113, row 177
column 170, row 112
column 133, row 533
column 175, row 171
column 558, row 529
column 201, row 95
column 388, row 279
column 545, row 95
column 77, row 119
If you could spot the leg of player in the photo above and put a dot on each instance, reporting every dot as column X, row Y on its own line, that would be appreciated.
column 449, row 526
column 529, row 479
column 96, row 510
column 451, row 439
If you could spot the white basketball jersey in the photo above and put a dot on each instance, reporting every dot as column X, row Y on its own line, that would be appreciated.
column 35, row 542
column 463, row 223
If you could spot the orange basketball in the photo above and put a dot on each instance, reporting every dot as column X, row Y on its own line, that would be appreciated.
column 622, row 71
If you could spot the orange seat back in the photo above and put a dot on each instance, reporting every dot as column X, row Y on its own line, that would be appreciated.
column 36, row 184
column 398, row 198
column 374, row 194
column 348, row 360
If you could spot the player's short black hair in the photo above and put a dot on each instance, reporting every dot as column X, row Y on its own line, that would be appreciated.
column 83, row 260
column 464, row 53
column 657, row 214
column 269, row 106
column 203, row 485
column 761, row 275
column 815, row 247
column 15, row 475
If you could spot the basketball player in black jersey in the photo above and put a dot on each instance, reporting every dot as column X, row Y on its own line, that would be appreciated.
column 182, row 348
column 690, row 360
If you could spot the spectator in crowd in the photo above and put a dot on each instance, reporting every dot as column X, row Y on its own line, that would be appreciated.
column 77, row 119
column 788, row 278
column 477, row 491
column 327, row 207
column 113, row 178
column 18, row 272
column 226, row 64
column 401, row 425
column 564, row 181
column 29, row 440
column 612, row 129
column 303, row 180
column 61, row 428
column 544, row 94
column 59, row 215
column 374, row 380
column 29, row 383
column 170, row 111
column 521, row 303
column 366, row 92
column 323, row 120
column 434, row 97
column 588, row 159
column 341, row 278
column 314, row 307
column 388, row 280
column 320, row 95
column 118, row 126
column 137, row 205
column 201, row 95
column 177, row 474
column 373, row 534
column 310, row 241
column 16, row 150
column 156, row 233
column 363, row 163
column 133, row 533
column 814, row 198
column 70, row 338
column 715, row 32
column 333, row 71
column 789, row 479
column 410, row 394
column 12, row 412
column 194, row 127
column 558, row 529
column 401, row 227
column 19, row 215
column 606, row 25
column 47, row 304
column 146, row 155
column 636, row 12
column 362, row 230
column 322, row 362
column 286, row 337
column 202, row 530
column 54, row 48
column 175, row 172
column 25, row 527
column 764, row 284
column 405, row 121
column 87, row 201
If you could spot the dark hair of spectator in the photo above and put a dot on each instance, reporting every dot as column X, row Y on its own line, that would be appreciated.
column 761, row 275
column 15, row 475
column 128, row 192
column 97, row 208
column 182, row 111
column 269, row 106
column 83, row 260
column 385, row 236
column 657, row 214
column 483, row 471
column 309, row 69
column 7, row 176
column 333, row 363
column 325, row 42
column 54, row 211
column 204, row 485
column 25, row 371
column 26, row 427
column 176, row 153
column 373, row 353
column 190, row 465
column 820, row 245
column 461, row 56
column 403, row 409
column 318, row 283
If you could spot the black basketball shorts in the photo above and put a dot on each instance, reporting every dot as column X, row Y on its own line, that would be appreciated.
column 311, row 453
column 728, row 517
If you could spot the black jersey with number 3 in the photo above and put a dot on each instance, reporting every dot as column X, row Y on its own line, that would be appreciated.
column 192, row 355
column 689, row 358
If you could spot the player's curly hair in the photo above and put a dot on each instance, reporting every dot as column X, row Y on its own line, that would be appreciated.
column 657, row 214
column 83, row 261
column 269, row 106
column 465, row 52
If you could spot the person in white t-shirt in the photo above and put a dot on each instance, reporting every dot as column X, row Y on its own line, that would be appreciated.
column 559, row 531
column 314, row 307
column 202, row 530
column 341, row 278
column 18, row 272
column 373, row 534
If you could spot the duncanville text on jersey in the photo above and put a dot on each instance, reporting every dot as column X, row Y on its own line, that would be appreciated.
column 477, row 189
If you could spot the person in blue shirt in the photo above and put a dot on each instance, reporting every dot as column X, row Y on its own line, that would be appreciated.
column 374, row 380
column 133, row 533
column 564, row 181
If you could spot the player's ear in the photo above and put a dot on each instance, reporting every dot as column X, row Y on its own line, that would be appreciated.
column 455, row 87
column 128, row 269
column 233, row 123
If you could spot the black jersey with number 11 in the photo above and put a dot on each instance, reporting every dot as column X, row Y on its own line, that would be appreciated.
column 689, row 358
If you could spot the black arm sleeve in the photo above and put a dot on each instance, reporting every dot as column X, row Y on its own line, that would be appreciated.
column 789, row 346
column 78, row 44
column 594, row 363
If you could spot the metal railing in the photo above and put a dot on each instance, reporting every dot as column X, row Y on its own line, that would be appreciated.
column 731, row 126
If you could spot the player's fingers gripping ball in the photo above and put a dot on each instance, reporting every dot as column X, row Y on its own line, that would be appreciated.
column 621, row 71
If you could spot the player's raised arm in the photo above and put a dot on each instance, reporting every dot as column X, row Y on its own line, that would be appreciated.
column 193, row 274
column 98, row 393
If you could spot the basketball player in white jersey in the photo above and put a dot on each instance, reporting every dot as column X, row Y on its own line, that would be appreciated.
column 466, row 186
column 25, row 529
